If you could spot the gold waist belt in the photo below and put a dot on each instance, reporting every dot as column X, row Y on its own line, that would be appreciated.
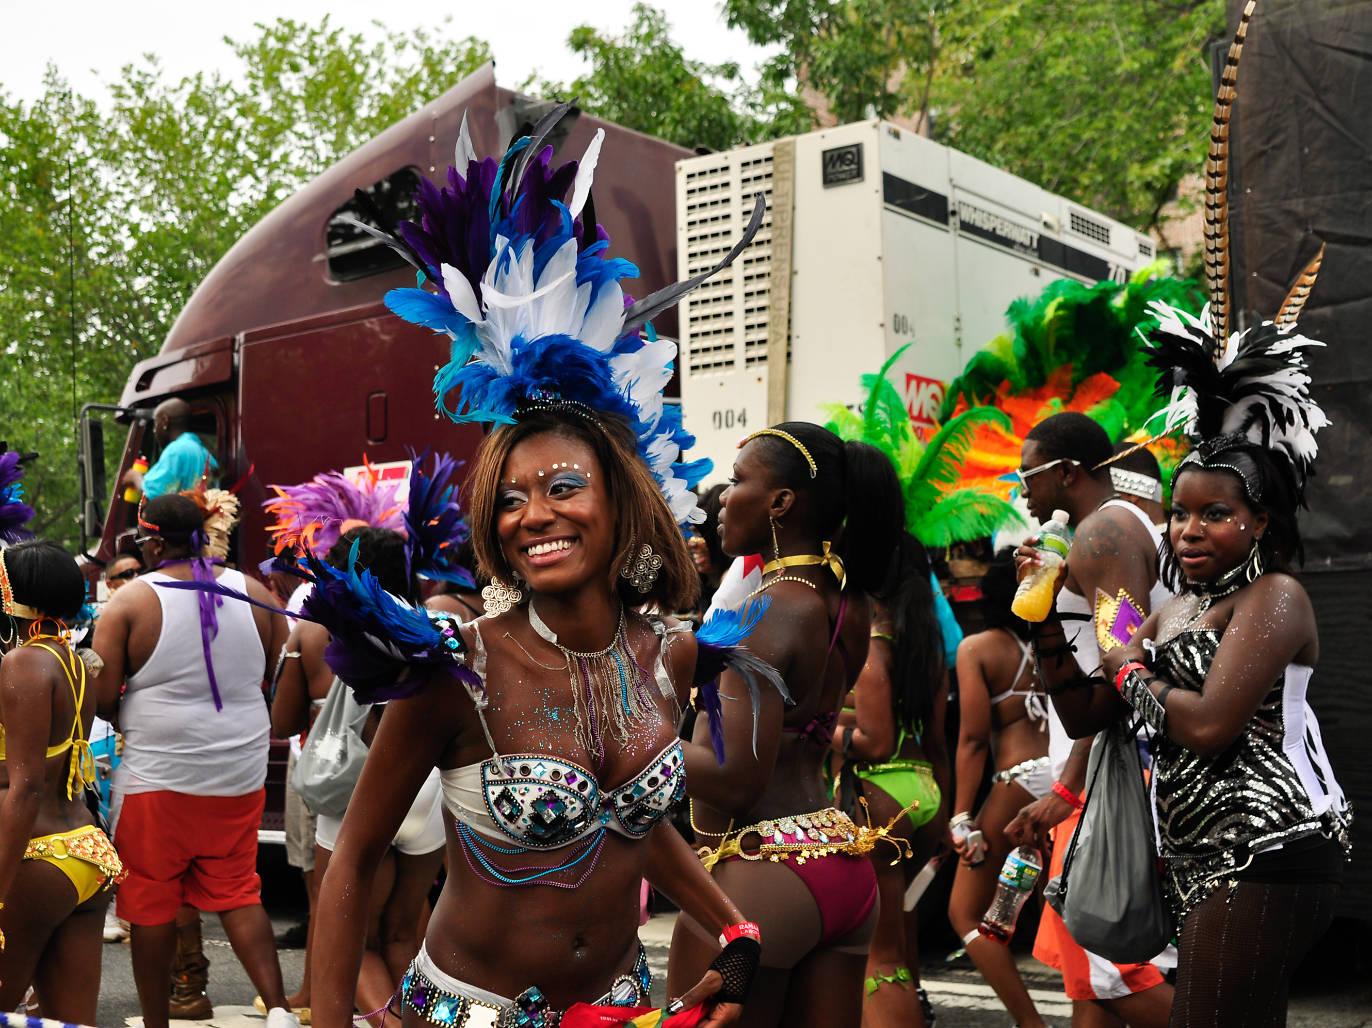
column 89, row 844
column 800, row 838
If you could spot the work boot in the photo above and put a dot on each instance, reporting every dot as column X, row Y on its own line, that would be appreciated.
column 189, row 977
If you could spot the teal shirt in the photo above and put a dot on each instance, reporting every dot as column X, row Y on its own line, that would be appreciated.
column 179, row 467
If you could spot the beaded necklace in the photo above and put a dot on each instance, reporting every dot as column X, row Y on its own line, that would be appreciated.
column 780, row 578
column 596, row 678
column 505, row 879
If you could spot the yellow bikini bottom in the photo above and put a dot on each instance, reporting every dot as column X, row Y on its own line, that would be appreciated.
column 85, row 855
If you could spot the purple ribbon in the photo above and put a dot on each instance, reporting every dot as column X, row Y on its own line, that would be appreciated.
column 202, row 570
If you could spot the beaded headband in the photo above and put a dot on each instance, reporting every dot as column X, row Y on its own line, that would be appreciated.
column 1135, row 483
column 1221, row 454
column 778, row 433
column 10, row 605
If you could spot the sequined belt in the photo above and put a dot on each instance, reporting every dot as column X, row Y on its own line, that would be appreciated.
column 800, row 838
column 441, row 999
column 89, row 844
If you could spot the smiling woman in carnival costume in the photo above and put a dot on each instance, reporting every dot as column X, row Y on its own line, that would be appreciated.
column 551, row 718
column 1252, row 823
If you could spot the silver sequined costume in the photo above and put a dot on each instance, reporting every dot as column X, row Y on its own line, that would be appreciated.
column 1273, row 785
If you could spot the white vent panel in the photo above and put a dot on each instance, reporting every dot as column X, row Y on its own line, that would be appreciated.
column 724, row 322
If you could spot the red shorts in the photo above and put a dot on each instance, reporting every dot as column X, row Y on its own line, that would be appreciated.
column 200, row 850
column 1084, row 975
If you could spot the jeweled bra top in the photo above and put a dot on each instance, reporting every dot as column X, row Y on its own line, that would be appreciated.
column 542, row 802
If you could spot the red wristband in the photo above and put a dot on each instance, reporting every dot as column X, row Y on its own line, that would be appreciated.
column 741, row 930
column 1067, row 794
column 1133, row 665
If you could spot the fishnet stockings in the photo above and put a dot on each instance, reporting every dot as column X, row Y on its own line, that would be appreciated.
column 1238, row 949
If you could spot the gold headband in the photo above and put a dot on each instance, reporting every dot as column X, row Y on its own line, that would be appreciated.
column 814, row 468
column 7, row 601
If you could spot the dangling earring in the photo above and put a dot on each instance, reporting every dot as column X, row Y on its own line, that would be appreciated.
column 6, row 640
column 641, row 570
column 776, row 546
column 1255, row 568
column 499, row 598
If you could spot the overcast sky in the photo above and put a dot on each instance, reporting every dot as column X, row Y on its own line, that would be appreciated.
column 90, row 41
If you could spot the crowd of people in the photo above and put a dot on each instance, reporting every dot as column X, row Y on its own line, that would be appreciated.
column 527, row 749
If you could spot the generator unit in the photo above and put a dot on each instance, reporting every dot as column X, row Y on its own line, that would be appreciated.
column 874, row 237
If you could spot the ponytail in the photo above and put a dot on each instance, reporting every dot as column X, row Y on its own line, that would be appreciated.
column 917, row 671
column 875, row 516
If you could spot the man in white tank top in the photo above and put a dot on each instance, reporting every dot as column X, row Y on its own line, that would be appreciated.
column 183, row 677
column 1114, row 550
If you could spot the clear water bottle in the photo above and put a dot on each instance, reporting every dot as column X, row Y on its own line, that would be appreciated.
column 1018, row 876
column 1034, row 597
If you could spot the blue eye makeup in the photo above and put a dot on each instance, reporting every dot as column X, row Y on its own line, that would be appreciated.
column 564, row 481
column 509, row 498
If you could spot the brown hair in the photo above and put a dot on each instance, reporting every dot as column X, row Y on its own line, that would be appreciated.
column 641, row 514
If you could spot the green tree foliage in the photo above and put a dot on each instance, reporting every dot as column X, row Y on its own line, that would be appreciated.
column 113, row 210
column 1106, row 103
column 866, row 58
column 642, row 80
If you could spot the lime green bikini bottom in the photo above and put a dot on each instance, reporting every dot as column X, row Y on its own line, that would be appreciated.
column 906, row 781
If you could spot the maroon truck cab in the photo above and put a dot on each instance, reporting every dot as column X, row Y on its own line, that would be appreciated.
column 289, row 360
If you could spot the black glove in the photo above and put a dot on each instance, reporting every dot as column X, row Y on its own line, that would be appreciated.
column 737, row 963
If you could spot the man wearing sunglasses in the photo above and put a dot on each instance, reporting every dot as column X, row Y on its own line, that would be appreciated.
column 1064, row 465
column 122, row 570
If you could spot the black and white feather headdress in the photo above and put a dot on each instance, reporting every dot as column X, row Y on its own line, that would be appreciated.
column 1230, row 388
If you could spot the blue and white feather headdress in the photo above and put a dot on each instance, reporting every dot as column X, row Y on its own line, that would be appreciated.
column 523, row 285
column 1230, row 388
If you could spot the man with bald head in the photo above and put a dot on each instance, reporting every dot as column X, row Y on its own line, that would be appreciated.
column 183, row 459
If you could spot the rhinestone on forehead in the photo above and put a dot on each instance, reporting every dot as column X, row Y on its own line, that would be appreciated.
column 557, row 466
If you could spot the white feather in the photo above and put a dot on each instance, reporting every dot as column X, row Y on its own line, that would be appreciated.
column 585, row 171
column 604, row 318
column 463, row 153
column 461, row 294
column 551, row 313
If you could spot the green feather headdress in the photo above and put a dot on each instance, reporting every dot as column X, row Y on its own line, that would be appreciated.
column 937, row 512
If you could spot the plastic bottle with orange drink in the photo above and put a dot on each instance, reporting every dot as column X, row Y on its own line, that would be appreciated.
column 1034, row 597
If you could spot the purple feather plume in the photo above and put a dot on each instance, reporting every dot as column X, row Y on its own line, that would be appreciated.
column 434, row 524
column 310, row 515
column 14, row 512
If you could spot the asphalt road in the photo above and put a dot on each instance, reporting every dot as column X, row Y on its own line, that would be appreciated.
column 958, row 993
column 1332, row 989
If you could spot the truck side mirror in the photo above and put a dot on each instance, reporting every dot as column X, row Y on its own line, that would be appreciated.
column 94, row 494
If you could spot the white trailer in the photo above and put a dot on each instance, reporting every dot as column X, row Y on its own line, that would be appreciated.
column 875, row 237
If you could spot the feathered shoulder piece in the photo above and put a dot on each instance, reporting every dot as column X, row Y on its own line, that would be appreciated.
column 515, row 271
column 311, row 516
column 14, row 512
column 381, row 646
column 937, row 511
column 719, row 648
column 1229, row 388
